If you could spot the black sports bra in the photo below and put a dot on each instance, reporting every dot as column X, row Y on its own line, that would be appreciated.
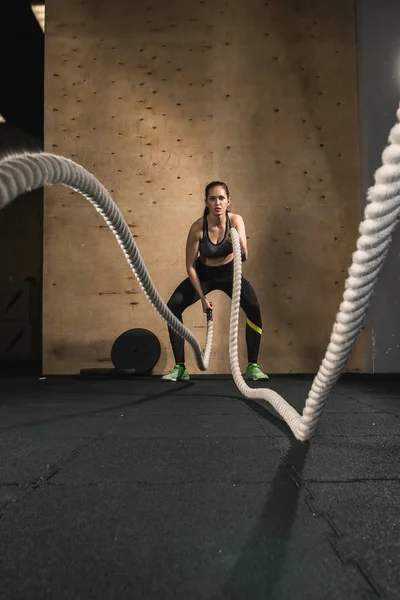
column 208, row 249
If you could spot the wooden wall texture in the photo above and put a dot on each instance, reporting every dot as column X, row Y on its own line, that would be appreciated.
column 157, row 99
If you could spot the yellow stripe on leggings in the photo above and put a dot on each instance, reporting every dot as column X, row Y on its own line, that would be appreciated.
column 253, row 326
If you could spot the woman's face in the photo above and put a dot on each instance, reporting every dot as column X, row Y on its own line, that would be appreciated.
column 217, row 200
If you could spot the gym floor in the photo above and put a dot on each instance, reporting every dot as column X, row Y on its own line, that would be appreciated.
column 142, row 489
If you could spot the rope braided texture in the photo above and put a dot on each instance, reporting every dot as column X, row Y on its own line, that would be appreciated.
column 380, row 219
column 21, row 173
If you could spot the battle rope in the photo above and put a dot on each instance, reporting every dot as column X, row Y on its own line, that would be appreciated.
column 21, row 173
column 24, row 172
column 380, row 219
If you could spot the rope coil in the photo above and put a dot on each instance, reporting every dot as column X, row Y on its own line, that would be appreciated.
column 24, row 172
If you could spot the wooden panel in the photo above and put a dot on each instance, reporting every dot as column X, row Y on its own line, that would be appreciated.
column 157, row 101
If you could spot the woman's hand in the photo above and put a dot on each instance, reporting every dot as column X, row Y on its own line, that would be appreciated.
column 206, row 305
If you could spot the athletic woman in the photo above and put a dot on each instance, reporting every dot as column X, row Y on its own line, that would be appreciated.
column 209, row 265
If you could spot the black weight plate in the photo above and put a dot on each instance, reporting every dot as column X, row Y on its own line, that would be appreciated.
column 136, row 350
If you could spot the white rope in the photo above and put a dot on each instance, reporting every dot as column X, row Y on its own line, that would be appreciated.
column 380, row 219
column 21, row 173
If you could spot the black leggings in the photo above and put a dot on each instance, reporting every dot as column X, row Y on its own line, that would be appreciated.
column 216, row 278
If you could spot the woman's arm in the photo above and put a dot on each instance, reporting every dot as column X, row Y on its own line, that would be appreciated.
column 192, row 246
column 238, row 223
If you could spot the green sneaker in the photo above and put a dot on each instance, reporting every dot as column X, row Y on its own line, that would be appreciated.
column 178, row 373
column 255, row 372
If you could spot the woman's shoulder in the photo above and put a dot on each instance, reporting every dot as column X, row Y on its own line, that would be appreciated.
column 198, row 224
column 235, row 218
column 197, row 227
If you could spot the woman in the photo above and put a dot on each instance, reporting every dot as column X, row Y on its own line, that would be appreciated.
column 209, row 265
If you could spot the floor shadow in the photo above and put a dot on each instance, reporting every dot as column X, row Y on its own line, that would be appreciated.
column 266, row 412
column 98, row 411
column 260, row 568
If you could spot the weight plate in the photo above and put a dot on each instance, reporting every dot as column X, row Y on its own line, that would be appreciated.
column 136, row 350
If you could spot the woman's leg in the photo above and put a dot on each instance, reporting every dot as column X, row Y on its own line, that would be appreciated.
column 251, row 308
column 184, row 296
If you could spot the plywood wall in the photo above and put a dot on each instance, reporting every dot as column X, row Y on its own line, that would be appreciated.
column 157, row 99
